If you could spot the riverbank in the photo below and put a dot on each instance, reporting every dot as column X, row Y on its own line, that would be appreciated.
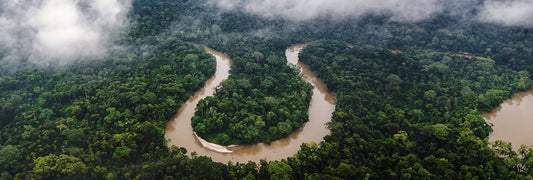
column 179, row 130
column 512, row 120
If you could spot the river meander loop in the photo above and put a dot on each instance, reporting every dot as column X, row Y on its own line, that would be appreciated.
column 180, row 133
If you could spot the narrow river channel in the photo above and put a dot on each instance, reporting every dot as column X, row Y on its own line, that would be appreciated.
column 513, row 120
column 179, row 130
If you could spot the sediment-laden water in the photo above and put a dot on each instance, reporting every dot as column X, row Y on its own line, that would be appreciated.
column 179, row 130
column 513, row 120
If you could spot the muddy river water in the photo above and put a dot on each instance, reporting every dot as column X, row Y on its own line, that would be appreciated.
column 513, row 120
column 179, row 130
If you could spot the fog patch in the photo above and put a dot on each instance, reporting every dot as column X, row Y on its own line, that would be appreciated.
column 301, row 10
column 502, row 12
column 59, row 31
column 507, row 12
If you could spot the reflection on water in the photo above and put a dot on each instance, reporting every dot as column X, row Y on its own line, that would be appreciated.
column 513, row 120
column 179, row 129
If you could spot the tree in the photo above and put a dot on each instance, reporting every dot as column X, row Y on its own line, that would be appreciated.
column 393, row 81
column 75, row 137
column 122, row 154
column 440, row 131
column 9, row 157
column 52, row 166
column 191, row 58
column 222, row 138
column 149, row 97
column 279, row 170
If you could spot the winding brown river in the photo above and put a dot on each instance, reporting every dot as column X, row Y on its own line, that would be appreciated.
column 179, row 130
column 513, row 120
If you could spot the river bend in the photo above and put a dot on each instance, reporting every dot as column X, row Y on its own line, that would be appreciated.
column 512, row 120
column 179, row 130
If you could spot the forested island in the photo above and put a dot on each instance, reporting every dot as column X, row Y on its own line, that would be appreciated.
column 409, row 90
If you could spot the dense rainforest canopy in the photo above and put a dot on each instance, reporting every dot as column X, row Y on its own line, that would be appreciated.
column 409, row 95
column 263, row 100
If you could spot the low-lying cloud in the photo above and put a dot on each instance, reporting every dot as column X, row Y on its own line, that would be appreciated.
column 59, row 31
column 399, row 10
column 507, row 12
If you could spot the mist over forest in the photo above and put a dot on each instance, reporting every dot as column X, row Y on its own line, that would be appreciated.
column 513, row 13
column 61, row 31
column 87, row 87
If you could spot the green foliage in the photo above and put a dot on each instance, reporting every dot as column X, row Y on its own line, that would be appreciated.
column 261, row 101
column 279, row 170
column 413, row 114
column 52, row 166
column 9, row 158
column 96, row 117
column 122, row 154
column 397, row 118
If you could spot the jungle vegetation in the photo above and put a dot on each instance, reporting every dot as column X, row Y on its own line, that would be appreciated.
column 409, row 100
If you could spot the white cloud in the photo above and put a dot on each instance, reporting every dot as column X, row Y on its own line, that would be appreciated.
column 400, row 10
column 507, row 12
column 60, row 30
column 504, row 12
